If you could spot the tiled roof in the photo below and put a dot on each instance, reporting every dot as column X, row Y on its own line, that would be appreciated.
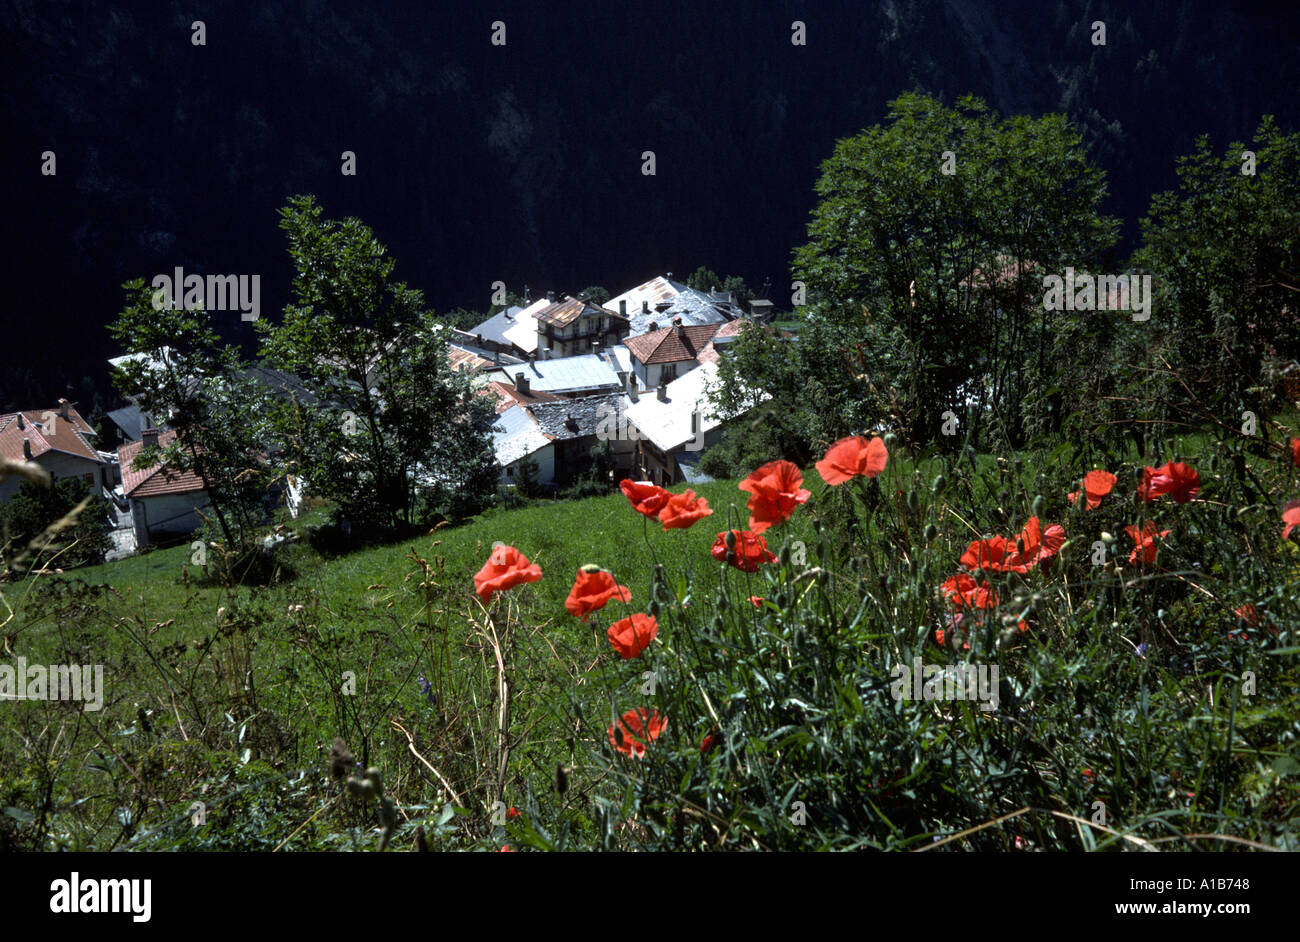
column 72, row 436
column 677, row 300
column 516, row 435
column 462, row 359
column 588, row 372
column 507, row 395
column 563, row 313
column 154, row 480
column 725, row 335
column 576, row 418
column 671, row 344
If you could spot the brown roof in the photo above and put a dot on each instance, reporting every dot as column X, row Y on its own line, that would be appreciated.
column 563, row 313
column 730, row 329
column 507, row 396
column 70, row 436
column 671, row 344
column 462, row 359
column 154, row 480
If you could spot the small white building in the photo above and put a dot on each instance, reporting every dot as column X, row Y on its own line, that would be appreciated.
column 57, row 440
column 164, row 502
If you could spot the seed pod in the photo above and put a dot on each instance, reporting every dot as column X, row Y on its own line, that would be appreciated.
column 1038, row 505
column 940, row 485
column 913, row 502
column 931, row 533
column 730, row 540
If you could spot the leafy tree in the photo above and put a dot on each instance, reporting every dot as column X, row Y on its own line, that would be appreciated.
column 921, row 291
column 1224, row 252
column 222, row 419
column 737, row 286
column 396, row 433
column 595, row 294
column 704, row 279
column 35, row 507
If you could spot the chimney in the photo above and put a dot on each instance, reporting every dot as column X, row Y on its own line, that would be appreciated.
column 22, row 422
column 149, row 437
column 677, row 325
column 622, row 308
column 695, row 422
column 521, row 383
column 595, row 348
column 63, row 409
column 654, row 325
column 662, row 392
column 645, row 307
column 27, row 449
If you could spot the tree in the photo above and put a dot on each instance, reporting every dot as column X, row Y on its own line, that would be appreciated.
column 396, row 434
column 35, row 507
column 220, row 417
column 918, row 268
column 1224, row 252
column 704, row 279
column 595, row 294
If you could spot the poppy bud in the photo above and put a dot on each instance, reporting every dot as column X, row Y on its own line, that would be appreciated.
column 730, row 540
column 722, row 602
column 1107, row 537
column 890, row 440
column 654, row 607
column 590, row 568
column 1038, row 505
column 931, row 533
column 940, row 485
column 913, row 502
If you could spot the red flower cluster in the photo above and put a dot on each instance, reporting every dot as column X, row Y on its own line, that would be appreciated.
column 505, row 569
column 962, row 591
column 1179, row 481
column 1291, row 517
column 674, row 511
column 647, row 724
column 749, row 553
column 775, row 493
column 592, row 588
column 999, row 554
column 853, row 457
column 632, row 635
column 1096, row 485
column 1144, row 542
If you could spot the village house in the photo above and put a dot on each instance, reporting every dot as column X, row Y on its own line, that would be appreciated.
column 164, row 502
column 665, row 353
column 513, row 330
column 673, row 427
column 58, row 440
column 661, row 299
column 573, row 326
column 588, row 374
column 559, row 438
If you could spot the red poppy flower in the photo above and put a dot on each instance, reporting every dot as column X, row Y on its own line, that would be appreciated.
column 1179, row 481
column 851, row 457
column 646, row 498
column 513, row 813
column 749, row 553
column 1036, row 545
column 633, row 724
column 775, row 493
column 632, row 635
column 756, row 601
column 710, row 741
column 1144, row 541
column 1249, row 616
column 592, row 588
column 996, row 554
column 1290, row 516
column 505, row 569
column 962, row 592
column 682, row 510
column 1096, row 485
column 1295, row 452
column 507, row 849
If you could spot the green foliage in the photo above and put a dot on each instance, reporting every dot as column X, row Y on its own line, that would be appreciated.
column 595, row 294
column 395, row 435
column 26, row 516
column 1224, row 253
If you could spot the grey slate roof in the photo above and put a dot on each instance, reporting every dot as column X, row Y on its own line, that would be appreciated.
column 588, row 372
column 576, row 418
column 692, row 306
column 515, row 434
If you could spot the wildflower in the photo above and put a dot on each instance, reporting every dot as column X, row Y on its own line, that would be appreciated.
column 852, row 457
column 757, row 601
column 1291, row 517
column 962, row 591
column 774, row 493
column 646, row 498
column 507, row 849
column 1096, row 485
column 634, row 723
column 1037, row 545
column 1144, row 541
column 996, row 554
column 682, row 510
column 426, row 688
column 632, row 635
column 505, row 569
column 1295, row 452
column 513, row 813
column 710, row 742
column 747, row 553
column 592, row 588
column 1179, row 481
